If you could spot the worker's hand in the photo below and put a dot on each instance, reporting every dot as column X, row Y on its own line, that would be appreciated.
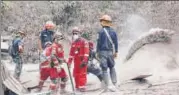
column 65, row 61
column 83, row 64
column 115, row 55
column 69, row 64
column 21, row 49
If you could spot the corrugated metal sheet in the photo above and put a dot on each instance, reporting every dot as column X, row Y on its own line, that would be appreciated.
column 14, row 85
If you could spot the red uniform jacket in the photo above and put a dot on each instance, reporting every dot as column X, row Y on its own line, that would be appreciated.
column 79, row 52
column 55, row 49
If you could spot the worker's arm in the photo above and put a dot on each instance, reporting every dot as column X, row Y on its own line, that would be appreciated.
column 21, row 47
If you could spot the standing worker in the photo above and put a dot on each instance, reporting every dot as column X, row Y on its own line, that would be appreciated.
column 51, row 67
column 16, row 53
column 107, row 49
column 79, row 52
column 46, row 35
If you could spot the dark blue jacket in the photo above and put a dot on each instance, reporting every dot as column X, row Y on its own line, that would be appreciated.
column 16, row 43
column 46, row 36
column 103, row 43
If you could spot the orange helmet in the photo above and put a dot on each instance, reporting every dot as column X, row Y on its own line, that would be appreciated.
column 106, row 18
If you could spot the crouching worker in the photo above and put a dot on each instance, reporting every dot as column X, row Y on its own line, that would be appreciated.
column 92, row 67
column 51, row 67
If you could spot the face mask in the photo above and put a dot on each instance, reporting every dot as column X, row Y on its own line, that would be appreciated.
column 75, row 37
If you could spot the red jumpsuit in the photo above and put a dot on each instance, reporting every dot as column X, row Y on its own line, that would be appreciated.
column 45, row 67
column 79, row 52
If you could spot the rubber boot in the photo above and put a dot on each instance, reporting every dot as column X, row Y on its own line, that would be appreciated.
column 41, row 83
column 105, row 79
column 62, row 86
column 113, row 76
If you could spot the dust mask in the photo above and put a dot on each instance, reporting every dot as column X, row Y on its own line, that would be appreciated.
column 75, row 37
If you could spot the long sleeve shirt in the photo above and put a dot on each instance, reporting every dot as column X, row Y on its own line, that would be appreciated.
column 103, row 43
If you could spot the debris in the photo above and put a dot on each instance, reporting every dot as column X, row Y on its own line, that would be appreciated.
column 157, row 84
column 141, row 77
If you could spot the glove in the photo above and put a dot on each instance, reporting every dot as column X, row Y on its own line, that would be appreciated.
column 65, row 61
column 83, row 64
column 69, row 65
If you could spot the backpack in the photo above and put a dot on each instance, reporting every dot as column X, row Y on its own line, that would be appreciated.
column 11, row 50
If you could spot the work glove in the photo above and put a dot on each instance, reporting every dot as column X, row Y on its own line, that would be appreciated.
column 69, row 62
column 83, row 64
column 69, row 65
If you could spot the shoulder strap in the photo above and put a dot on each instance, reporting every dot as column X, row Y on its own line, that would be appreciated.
column 109, row 37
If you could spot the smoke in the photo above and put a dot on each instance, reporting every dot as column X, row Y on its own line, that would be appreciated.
column 135, row 25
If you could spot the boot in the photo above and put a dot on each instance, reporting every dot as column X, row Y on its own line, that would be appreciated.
column 82, row 89
column 62, row 86
column 41, row 83
column 113, row 75
column 105, row 82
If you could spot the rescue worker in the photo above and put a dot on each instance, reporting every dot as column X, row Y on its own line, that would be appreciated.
column 58, row 51
column 18, row 47
column 45, row 68
column 46, row 35
column 107, row 49
column 92, row 67
column 79, row 52
column 51, row 67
